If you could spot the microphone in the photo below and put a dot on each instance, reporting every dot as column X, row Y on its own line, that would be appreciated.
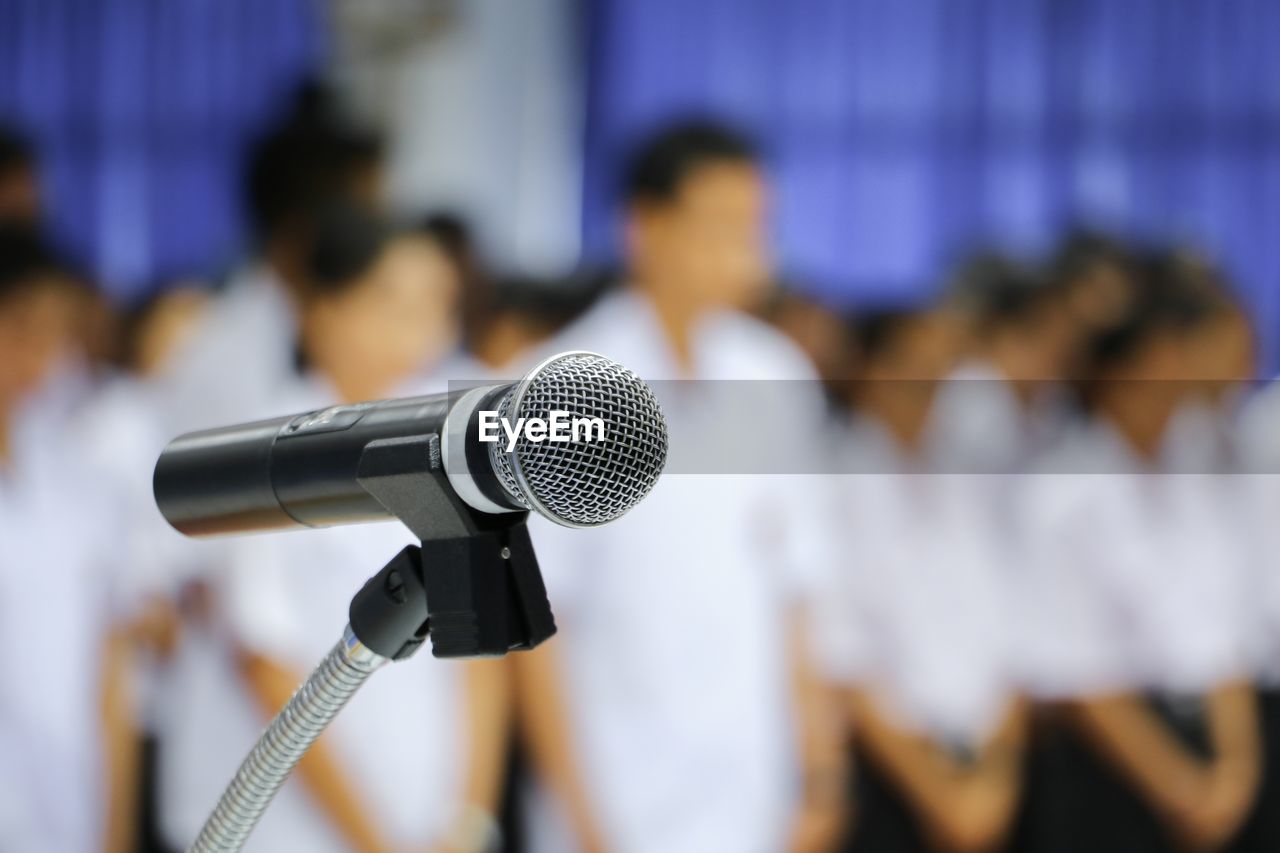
column 579, row 440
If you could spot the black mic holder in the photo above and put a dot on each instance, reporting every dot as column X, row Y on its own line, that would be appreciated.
column 473, row 585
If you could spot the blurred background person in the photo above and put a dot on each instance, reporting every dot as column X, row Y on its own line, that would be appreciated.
column 119, row 432
column 67, row 778
column 915, row 624
column 231, row 365
column 1214, row 436
column 457, row 239
column 1002, row 404
column 245, row 344
column 625, row 759
column 1256, row 496
column 1136, row 612
column 526, row 312
column 503, row 316
column 1221, row 361
column 819, row 331
column 156, row 329
column 411, row 762
column 1095, row 274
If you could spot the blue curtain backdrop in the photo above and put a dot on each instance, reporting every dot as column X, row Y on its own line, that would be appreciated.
column 904, row 131
column 141, row 110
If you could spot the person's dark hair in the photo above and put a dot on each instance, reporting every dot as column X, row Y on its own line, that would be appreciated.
column 1180, row 269
column 24, row 259
column 661, row 163
column 16, row 152
column 996, row 292
column 1165, row 305
column 783, row 296
column 453, row 234
column 1082, row 252
column 876, row 333
column 309, row 157
column 345, row 244
column 552, row 302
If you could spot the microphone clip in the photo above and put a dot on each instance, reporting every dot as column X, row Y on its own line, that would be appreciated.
column 473, row 584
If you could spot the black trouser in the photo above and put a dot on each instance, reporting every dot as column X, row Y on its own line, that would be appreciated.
column 883, row 823
column 1262, row 831
column 1076, row 801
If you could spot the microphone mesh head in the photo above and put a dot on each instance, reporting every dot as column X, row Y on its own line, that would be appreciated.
column 583, row 483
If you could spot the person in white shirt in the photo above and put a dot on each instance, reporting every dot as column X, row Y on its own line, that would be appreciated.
column 1095, row 275
column 914, row 629
column 65, row 712
column 1002, row 406
column 1134, row 615
column 415, row 759
column 245, row 344
column 120, row 432
column 236, row 361
column 1224, row 432
column 675, row 711
column 820, row 330
column 121, row 427
column 1259, row 482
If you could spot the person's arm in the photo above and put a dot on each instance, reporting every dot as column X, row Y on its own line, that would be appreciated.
column 1235, row 731
column 1142, row 749
column 272, row 685
column 544, row 722
column 487, row 709
column 121, row 745
column 823, row 750
column 1235, row 771
column 967, row 807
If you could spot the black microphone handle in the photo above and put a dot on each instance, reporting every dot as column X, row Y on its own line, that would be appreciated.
column 298, row 470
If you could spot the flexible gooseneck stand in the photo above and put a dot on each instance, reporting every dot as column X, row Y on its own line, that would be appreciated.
column 472, row 586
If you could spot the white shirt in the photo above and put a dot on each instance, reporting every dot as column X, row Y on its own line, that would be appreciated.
column 919, row 608
column 1135, row 581
column 977, row 424
column 285, row 596
column 1257, row 489
column 122, row 431
column 58, row 548
column 238, row 357
column 672, row 620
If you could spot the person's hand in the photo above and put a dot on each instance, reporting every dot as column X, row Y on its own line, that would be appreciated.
column 1214, row 817
column 823, row 815
column 591, row 842
column 474, row 830
column 818, row 828
column 157, row 627
column 370, row 844
column 981, row 815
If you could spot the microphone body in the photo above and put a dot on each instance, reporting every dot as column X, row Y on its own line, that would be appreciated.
column 303, row 470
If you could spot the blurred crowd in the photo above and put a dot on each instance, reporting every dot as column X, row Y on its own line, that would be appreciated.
column 1034, row 604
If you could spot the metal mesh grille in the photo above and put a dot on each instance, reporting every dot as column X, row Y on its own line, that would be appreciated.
column 585, row 482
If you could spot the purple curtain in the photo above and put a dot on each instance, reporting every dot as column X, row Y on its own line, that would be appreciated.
column 141, row 110
column 904, row 131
